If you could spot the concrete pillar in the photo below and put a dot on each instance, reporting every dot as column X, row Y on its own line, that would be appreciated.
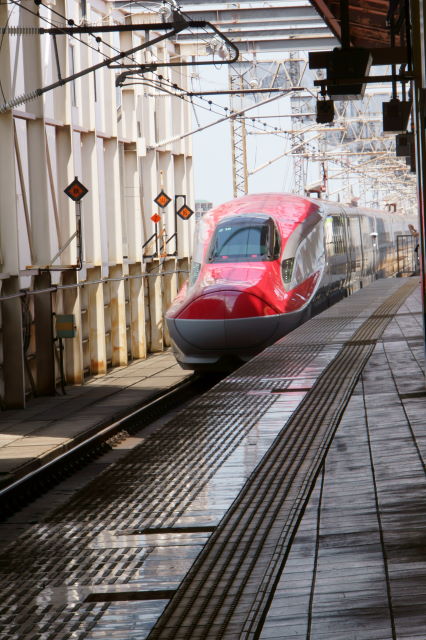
column 170, row 288
column 132, row 206
column 150, row 190
column 181, row 188
column 8, row 212
column 67, row 208
column 91, row 221
column 36, row 141
column 189, row 233
column 112, row 202
column 13, row 351
column 137, row 312
column 155, row 286
column 43, row 321
column 61, row 95
column 95, row 296
column 73, row 346
column 118, row 318
column 166, row 170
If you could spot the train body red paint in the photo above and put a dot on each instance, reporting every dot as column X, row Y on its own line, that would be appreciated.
column 264, row 263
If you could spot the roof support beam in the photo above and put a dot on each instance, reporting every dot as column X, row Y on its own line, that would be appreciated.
column 263, row 34
column 237, row 16
column 290, row 44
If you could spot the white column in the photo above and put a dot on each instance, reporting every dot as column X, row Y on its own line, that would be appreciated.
column 181, row 189
column 170, row 288
column 8, row 212
column 137, row 312
column 37, row 161
column 91, row 220
column 132, row 204
column 71, row 304
column 13, row 353
column 155, row 286
column 165, row 166
column 113, row 202
column 118, row 318
column 66, row 207
column 95, row 311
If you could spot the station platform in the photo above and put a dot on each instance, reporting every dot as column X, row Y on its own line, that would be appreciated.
column 287, row 502
column 50, row 425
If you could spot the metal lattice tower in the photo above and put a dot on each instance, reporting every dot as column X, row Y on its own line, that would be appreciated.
column 299, row 169
column 238, row 138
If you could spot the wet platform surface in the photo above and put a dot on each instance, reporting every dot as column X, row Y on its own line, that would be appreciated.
column 49, row 425
column 357, row 568
column 105, row 565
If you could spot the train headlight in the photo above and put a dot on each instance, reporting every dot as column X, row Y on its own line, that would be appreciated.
column 287, row 269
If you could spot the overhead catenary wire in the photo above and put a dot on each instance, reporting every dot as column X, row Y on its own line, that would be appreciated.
column 34, row 94
column 211, row 124
column 193, row 103
column 31, row 95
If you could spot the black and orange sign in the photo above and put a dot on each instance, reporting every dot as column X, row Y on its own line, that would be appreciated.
column 156, row 218
column 184, row 212
column 76, row 190
column 162, row 199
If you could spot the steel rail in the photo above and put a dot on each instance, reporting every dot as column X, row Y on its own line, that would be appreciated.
column 92, row 444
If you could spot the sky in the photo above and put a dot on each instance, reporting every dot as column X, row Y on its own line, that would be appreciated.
column 212, row 154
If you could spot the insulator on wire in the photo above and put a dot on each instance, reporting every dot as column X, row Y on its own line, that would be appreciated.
column 21, row 31
column 26, row 97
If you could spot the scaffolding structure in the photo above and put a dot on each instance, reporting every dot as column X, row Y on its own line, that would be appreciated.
column 350, row 160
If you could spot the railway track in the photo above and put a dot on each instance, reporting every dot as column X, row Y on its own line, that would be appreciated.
column 31, row 485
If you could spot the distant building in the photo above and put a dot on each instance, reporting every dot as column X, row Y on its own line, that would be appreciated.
column 201, row 207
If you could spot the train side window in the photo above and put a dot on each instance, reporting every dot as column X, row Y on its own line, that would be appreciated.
column 335, row 235
column 328, row 233
column 356, row 251
column 338, row 234
column 309, row 258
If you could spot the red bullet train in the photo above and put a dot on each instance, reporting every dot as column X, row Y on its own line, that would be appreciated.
column 264, row 263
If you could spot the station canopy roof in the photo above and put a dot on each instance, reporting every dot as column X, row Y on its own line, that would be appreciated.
column 255, row 26
column 367, row 21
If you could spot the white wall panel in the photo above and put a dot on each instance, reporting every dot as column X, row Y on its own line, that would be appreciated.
column 113, row 203
column 93, row 202
column 102, row 139
column 132, row 204
column 100, row 220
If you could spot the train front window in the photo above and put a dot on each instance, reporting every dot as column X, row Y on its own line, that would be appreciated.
column 244, row 240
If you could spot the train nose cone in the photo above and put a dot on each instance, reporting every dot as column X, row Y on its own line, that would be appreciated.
column 226, row 305
column 224, row 320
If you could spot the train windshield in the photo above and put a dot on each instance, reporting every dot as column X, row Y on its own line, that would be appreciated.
column 248, row 239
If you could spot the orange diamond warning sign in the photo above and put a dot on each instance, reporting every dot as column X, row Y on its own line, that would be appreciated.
column 184, row 212
column 156, row 218
column 76, row 190
column 162, row 199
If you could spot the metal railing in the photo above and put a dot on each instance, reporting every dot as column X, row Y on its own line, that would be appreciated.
column 85, row 283
column 407, row 248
